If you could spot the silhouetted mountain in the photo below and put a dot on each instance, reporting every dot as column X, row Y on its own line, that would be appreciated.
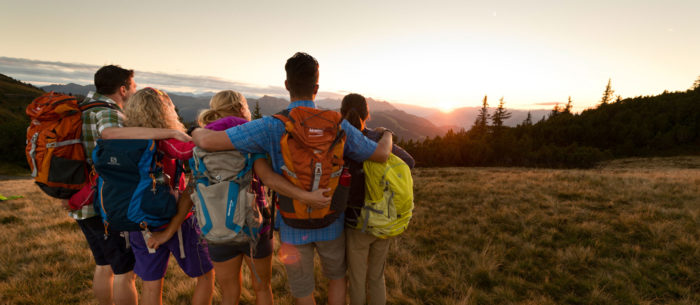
column 405, row 126
column 416, row 109
column 71, row 88
column 373, row 104
column 269, row 105
column 188, row 106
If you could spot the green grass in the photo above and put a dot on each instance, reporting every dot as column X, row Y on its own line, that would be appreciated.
column 623, row 233
column 14, row 170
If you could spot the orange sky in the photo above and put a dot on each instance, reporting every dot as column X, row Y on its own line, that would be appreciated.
column 443, row 54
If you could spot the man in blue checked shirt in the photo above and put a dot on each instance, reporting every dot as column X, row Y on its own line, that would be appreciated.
column 263, row 136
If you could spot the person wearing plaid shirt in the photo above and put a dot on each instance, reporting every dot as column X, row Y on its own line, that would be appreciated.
column 114, row 279
column 263, row 136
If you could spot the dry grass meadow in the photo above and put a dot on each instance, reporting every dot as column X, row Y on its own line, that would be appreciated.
column 624, row 233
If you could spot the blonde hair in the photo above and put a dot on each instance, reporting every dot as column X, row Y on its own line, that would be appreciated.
column 151, row 108
column 223, row 104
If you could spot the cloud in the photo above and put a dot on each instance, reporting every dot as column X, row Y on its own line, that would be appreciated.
column 54, row 72
column 549, row 104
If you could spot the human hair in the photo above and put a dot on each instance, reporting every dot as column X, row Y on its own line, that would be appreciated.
column 302, row 75
column 224, row 103
column 355, row 110
column 108, row 79
column 151, row 108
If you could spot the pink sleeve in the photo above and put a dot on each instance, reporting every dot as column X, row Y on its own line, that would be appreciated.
column 176, row 149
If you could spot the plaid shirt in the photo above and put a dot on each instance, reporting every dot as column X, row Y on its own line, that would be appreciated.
column 95, row 120
column 263, row 136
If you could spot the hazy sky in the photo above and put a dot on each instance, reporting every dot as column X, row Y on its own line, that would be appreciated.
column 440, row 53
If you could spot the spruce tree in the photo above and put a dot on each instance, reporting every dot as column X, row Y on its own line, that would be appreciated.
column 608, row 93
column 528, row 120
column 481, row 122
column 567, row 108
column 499, row 116
column 256, row 112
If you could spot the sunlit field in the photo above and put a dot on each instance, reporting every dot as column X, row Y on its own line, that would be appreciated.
column 626, row 232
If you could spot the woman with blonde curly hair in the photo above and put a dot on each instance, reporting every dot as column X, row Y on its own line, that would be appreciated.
column 228, row 109
column 153, row 108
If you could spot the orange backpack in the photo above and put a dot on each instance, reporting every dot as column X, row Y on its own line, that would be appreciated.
column 54, row 150
column 312, row 148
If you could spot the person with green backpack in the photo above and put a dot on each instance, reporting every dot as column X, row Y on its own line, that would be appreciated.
column 267, row 135
column 366, row 250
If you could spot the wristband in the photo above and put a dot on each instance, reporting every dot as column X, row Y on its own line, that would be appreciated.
column 191, row 129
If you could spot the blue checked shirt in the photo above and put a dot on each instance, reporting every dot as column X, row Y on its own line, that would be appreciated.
column 263, row 136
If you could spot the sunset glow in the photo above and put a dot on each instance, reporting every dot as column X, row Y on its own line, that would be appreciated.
column 449, row 54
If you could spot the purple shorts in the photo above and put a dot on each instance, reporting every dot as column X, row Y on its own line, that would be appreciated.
column 152, row 266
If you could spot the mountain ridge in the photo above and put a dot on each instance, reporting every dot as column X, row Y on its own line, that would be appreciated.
column 405, row 126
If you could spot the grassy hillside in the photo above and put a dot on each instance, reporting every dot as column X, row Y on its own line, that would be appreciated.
column 623, row 233
column 14, row 98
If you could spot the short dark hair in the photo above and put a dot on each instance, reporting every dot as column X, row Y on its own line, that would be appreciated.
column 108, row 79
column 302, row 74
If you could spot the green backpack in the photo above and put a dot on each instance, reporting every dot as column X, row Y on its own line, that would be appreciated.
column 388, row 198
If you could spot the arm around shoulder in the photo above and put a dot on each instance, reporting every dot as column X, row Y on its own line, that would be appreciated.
column 211, row 140
column 143, row 133
column 383, row 150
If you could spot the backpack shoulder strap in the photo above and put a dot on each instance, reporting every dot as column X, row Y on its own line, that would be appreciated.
column 283, row 116
column 90, row 105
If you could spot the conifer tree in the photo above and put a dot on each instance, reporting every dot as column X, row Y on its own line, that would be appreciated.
column 555, row 111
column 499, row 116
column 256, row 111
column 567, row 108
column 528, row 120
column 481, row 122
column 608, row 93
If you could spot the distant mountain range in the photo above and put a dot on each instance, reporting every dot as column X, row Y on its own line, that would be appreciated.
column 407, row 121
column 405, row 126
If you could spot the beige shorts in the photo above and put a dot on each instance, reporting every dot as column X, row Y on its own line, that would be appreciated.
column 300, row 272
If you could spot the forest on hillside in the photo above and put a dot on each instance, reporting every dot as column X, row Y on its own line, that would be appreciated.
column 661, row 125
column 14, row 98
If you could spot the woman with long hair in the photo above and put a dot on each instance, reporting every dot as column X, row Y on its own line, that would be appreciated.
column 365, row 253
column 153, row 108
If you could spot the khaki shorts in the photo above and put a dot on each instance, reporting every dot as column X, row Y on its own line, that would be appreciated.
column 300, row 272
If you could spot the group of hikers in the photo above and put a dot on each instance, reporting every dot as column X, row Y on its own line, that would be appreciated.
column 345, row 251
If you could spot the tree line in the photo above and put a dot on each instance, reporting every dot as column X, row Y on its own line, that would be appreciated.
column 661, row 125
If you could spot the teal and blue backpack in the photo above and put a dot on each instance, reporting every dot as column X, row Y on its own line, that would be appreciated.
column 225, row 205
column 133, row 192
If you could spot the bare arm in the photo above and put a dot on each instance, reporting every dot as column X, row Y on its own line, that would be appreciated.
column 211, row 140
column 143, row 133
column 184, row 205
column 383, row 150
column 277, row 182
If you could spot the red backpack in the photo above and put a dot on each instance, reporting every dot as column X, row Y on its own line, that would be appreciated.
column 54, row 150
column 312, row 148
